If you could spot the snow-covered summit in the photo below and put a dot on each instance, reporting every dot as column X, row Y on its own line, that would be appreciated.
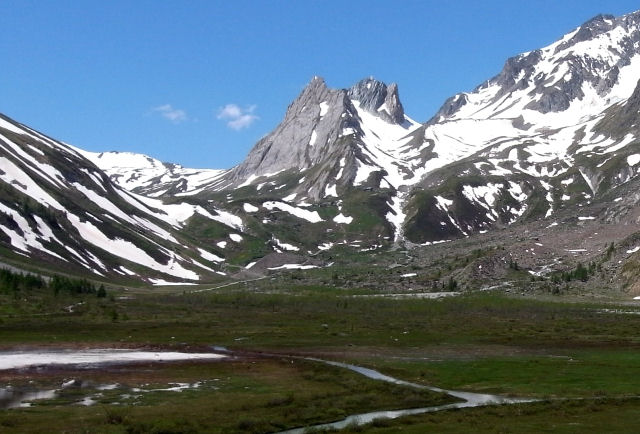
column 578, row 76
column 57, row 207
column 350, row 132
column 146, row 175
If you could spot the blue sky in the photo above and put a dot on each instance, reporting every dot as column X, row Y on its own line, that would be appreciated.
column 199, row 82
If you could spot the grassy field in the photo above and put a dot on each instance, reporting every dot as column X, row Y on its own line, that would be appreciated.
column 256, row 395
column 485, row 342
column 598, row 415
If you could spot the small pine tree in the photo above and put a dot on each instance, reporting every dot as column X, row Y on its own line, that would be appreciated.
column 610, row 250
column 581, row 273
column 452, row 285
column 102, row 292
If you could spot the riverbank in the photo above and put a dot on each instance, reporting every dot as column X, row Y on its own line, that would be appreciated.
column 480, row 343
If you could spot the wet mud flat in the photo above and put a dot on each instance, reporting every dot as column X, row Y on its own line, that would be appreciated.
column 90, row 376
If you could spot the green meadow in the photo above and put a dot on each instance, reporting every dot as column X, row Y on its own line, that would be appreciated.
column 579, row 358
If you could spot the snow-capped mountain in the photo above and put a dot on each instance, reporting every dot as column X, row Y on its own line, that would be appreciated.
column 350, row 133
column 150, row 177
column 533, row 140
column 525, row 144
column 60, row 208
column 333, row 143
column 554, row 132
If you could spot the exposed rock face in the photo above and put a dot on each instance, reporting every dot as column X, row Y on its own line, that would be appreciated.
column 554, row 77
column 379, row 99
column 307, row 134
column 370, row 93
column 321, row 127
column 393, row 104
column 621, row 120
column 589, row 30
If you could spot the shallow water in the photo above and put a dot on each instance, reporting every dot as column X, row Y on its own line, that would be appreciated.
column 469, row 400
column 11, row 397
column 14, row 397
column 25, row 359
column 426, row 295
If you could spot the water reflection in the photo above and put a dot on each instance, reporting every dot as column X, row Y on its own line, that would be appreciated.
column 469, row 400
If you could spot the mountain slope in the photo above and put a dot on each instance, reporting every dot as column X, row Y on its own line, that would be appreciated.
column 150, row 177
column 535, row 138
column 553, row 136
column 60, row 208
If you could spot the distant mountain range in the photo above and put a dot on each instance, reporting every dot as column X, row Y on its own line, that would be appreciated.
column 555, row 133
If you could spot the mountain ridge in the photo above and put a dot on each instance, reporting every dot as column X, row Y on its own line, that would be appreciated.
column 554, row 133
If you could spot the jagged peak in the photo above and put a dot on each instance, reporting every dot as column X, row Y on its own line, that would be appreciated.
column 594, row 54
column 600, row 18
column 595, row 26
column 369, row 92
column 317, row 82
column 378, row 98
column 314, row 92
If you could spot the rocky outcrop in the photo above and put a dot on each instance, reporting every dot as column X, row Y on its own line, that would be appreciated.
column 393, row 104
column 622, row 119
column 573, row 65
column 309, row 132
column 376, row 97
column 321, row 128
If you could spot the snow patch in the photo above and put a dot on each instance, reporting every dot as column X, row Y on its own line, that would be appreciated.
column 294, row 267
column 634, row 159
column 235, row 237
column 23, row 359
column 330, row 190
column 249, row 208
column 324, row 108
column 210, row 256
column 285, row 246
column 342, row 219
column 129, row 251
column 310, row 216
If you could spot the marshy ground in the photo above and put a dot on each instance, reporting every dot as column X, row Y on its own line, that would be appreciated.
column 579, row 356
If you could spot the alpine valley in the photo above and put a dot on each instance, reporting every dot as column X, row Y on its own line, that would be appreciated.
column 476, row 272
column 548, row 146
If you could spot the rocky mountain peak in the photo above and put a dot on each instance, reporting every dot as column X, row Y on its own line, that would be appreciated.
column 314, row 92
column 595, row 26
column 376, row 97
column 309, row 132
column 551, row 79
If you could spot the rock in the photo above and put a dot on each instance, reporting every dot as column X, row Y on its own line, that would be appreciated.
column 379, row 99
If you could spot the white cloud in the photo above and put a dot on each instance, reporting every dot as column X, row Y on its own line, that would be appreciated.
column 236, row 117
column 168, row 112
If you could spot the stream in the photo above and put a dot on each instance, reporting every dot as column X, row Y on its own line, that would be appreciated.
column 12, row 397
column 469, row 400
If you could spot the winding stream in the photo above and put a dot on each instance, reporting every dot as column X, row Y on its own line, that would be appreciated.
column 469, row 400
column 95, row 358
